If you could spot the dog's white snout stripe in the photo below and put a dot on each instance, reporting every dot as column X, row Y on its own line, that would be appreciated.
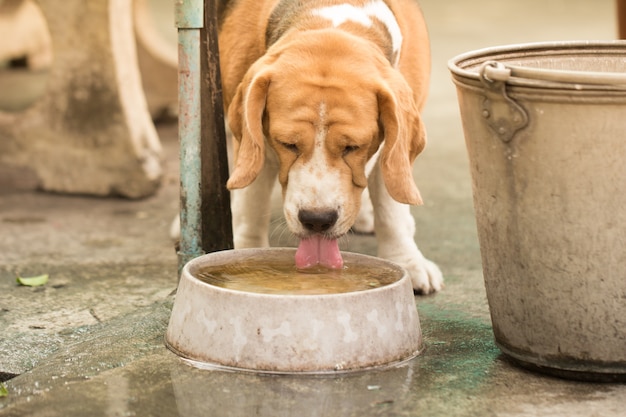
column 341, row 13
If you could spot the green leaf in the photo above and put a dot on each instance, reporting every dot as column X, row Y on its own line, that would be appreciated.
column 33, row 281
column 3, row 391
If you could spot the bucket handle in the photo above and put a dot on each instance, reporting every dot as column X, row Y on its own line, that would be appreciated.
column 503, row 114
column 497, row 71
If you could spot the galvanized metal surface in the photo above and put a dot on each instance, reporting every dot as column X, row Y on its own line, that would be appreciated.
column 495, row 70
column 503, row 115
column 549, row 207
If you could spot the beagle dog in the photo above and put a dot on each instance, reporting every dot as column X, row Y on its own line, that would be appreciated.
column 325, row 96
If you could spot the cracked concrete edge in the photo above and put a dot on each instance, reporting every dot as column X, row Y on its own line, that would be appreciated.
column 119, row 342
column 39, row 321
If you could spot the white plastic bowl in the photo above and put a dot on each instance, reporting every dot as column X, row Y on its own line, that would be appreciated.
column 324, row 333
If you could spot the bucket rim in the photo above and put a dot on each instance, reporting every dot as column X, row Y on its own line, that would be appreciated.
column 531, row 75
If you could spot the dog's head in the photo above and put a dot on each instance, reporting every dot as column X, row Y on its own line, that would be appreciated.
column 326, row 103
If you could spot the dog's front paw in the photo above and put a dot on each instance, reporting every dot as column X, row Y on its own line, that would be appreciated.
column 426, row 276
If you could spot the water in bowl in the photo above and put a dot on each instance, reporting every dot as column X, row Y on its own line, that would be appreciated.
column 278, row 275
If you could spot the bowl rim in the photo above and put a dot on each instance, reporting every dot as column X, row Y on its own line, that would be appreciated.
column 187, row 274
column 321, row 373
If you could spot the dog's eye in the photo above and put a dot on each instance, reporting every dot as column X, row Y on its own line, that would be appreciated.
column 292, row 147
column 349, row 149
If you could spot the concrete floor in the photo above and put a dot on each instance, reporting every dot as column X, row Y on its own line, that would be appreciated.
column 90, row 342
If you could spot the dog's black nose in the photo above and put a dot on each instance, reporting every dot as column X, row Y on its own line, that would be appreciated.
column 318, row 221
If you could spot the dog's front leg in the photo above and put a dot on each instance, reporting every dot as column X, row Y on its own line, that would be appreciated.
column 395, row 229
column 251, row 207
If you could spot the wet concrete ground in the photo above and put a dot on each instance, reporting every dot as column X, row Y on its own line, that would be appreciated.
column 90, row 342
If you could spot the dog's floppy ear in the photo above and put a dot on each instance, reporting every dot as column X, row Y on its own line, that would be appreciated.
column 245, row 117
column 404, row 139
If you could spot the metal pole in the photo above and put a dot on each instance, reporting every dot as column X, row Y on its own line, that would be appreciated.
column 217, row 231
column 202, row 150
column 621, row 19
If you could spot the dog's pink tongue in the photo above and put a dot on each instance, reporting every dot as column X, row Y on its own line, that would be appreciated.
column 318, row 251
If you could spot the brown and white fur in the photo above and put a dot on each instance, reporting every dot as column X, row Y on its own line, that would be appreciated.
column 325, row 95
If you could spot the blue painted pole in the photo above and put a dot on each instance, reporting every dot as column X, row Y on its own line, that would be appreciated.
column 189, row 20
column 205, row 219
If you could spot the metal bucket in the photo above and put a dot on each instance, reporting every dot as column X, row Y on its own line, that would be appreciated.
column 545, row 129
